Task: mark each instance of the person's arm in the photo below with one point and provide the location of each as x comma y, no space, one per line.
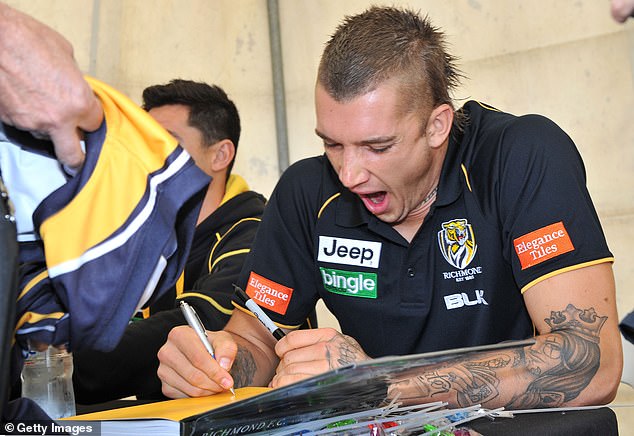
245,347
129,369
576,359
251,353
37,72
212,290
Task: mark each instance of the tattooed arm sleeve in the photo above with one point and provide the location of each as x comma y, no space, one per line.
576,359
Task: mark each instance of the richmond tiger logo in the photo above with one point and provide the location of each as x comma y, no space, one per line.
457,242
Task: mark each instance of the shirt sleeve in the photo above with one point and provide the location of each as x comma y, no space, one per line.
128,369
549,222
278,273
212,292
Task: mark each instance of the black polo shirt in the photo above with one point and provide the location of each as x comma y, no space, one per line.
512,209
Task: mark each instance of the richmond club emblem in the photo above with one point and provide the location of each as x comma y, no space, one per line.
457,242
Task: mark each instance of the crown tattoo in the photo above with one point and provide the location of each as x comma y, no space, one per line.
585,323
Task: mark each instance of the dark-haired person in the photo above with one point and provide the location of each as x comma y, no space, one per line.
206,123
422,228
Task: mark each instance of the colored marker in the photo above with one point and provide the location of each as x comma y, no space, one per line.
277,332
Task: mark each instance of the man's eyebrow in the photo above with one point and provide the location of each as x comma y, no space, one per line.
378,140
178,138
321,135
369,141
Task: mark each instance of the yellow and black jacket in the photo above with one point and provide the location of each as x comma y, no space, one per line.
114,237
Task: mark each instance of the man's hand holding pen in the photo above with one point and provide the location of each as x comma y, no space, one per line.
196,324
186,368
247,353
306,353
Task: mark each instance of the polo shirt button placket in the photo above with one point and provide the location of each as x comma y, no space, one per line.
411,272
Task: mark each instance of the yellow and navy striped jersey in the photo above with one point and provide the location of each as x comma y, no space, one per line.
114,237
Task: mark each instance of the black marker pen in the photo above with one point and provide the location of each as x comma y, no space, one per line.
277,332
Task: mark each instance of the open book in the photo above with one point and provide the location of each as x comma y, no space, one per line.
171,417
339,392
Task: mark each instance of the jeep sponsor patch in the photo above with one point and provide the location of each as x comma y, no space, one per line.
349,251
542,244
354,284
268,294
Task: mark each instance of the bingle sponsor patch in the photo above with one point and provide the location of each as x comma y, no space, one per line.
535,247
354,284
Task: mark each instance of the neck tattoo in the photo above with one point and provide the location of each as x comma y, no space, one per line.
430,196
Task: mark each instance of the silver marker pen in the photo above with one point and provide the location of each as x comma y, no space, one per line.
195,323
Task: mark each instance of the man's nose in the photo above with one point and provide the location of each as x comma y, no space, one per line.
352,172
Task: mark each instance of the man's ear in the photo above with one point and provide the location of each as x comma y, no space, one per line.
224,154
439,125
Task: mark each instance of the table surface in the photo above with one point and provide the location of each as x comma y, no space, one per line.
601,421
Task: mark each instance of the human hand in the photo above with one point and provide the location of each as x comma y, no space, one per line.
187,370
43,90
305,353
621,9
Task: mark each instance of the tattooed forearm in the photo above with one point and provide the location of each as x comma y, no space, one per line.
474,381
434,383
548,373
244,368
564,362
467,381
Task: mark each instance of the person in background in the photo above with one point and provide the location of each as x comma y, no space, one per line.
207,124
422,228
622,10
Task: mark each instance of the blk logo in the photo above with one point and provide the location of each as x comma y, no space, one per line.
455,301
